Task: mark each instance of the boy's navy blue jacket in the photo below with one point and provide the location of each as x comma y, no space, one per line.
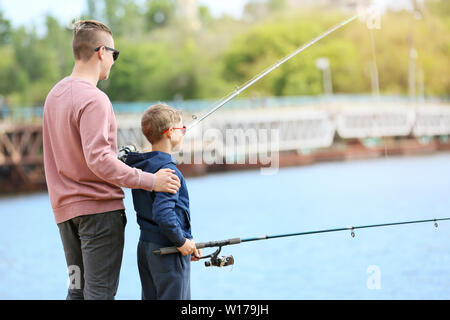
163,217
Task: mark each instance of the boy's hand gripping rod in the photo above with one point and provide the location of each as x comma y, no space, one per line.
229,260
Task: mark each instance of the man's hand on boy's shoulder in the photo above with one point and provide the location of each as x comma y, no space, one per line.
166,181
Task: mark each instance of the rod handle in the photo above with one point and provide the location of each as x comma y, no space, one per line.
200,245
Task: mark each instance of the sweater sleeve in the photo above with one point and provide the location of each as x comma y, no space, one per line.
94,126
164,214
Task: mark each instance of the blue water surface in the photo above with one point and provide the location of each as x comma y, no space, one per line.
411,261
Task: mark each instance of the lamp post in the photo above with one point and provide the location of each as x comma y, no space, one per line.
412,73
323,64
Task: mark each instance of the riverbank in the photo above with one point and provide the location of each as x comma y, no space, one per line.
349,150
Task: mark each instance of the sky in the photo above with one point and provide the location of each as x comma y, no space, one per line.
26,12
32,12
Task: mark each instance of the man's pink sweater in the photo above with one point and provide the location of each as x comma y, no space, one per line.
82,171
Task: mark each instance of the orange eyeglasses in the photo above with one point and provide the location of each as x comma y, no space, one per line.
183,130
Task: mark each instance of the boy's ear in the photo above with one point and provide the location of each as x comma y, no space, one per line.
169,132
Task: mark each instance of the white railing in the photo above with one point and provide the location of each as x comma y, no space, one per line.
303,128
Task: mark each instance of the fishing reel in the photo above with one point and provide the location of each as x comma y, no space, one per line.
125,150
216,261
222,261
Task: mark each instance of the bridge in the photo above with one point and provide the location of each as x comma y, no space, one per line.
304,128
240,131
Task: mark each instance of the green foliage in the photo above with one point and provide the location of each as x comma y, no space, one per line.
160,74
159,13
5,30
277,5
265,44
163,57
349,51
12,77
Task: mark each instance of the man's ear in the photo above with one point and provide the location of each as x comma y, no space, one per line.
100,53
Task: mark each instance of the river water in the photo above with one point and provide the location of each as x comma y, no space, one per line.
400,262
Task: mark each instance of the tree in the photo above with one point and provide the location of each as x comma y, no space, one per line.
12,77
143,73
277,5
169,60
113,12
5,30
37,59
133,21
159,13
152,71
205,15
265,44
92,7
349,51
59,40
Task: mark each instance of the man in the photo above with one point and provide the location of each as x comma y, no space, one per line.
84,176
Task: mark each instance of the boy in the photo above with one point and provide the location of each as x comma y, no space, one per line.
164,218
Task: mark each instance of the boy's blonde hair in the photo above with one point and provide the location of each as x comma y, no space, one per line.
158,118
87,36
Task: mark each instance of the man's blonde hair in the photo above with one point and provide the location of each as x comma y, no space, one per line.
87,36
158,118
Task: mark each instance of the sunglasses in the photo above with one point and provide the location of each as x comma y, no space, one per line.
183,130
115,51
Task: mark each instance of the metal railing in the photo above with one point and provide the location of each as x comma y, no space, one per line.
27,114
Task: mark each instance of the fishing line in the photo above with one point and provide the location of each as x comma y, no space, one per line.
249,83
218,261
229,260
376,84
375,79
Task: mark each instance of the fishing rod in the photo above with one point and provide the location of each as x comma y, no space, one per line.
224,261
269,70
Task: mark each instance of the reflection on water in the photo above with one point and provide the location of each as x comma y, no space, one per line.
404,262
